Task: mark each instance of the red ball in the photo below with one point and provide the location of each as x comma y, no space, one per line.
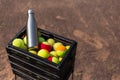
45,46
49,58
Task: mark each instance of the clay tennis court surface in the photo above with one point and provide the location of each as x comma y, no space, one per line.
94,24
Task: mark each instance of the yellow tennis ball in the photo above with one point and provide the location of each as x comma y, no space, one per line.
24,47
55,60
68,47
25,40
32,51
60,59
43,53
51,41
56,45
18,43
53,53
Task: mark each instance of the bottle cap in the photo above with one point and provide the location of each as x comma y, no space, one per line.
30,11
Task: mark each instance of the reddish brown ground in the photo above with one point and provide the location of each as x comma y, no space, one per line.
94,24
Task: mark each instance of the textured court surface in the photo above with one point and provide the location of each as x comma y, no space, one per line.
94,24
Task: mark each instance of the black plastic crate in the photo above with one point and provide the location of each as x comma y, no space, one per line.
30,66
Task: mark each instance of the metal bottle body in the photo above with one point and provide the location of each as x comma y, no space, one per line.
32,36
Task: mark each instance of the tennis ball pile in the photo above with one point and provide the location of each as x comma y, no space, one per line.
48,49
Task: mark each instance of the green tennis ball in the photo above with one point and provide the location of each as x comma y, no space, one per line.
41,39
55,60
24,47
39,34
43,53
60,53
56,45
51,41
53,53
32,51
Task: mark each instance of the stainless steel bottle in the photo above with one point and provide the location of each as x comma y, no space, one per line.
32,37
